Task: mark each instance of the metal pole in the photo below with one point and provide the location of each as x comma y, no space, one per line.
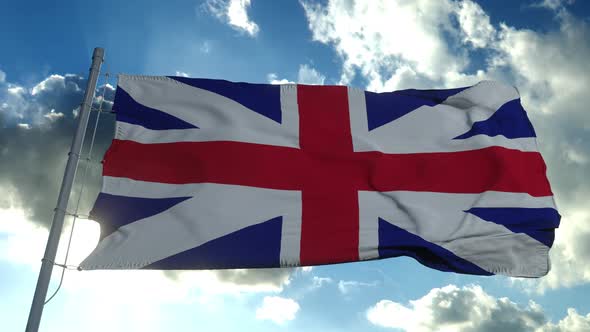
64,196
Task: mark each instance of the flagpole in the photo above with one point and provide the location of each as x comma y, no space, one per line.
64,196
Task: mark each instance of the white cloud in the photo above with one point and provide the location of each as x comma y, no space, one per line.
550,68
273,78
466,309
205,47
305,75
22,241
234,13
554,4
376,37
253,280
34,105
14,101
277,309
53,115
573,322
318,282
306,269
16,90
475,24
181,74
407,44
50,83
575,156
308,75
348,286
2,76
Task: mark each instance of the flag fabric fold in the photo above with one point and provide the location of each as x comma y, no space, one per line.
211,174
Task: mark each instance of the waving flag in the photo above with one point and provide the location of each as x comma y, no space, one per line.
210,174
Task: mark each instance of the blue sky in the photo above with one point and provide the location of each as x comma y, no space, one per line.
541,47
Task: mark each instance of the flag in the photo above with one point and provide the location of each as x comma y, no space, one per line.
211,174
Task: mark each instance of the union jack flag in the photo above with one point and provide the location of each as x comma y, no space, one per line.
211,174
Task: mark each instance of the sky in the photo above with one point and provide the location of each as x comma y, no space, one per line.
539,46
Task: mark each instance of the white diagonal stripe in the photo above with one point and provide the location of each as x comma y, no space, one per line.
432,129
440,218
214,211
217,117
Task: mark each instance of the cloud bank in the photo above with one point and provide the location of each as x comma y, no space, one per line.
469,309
